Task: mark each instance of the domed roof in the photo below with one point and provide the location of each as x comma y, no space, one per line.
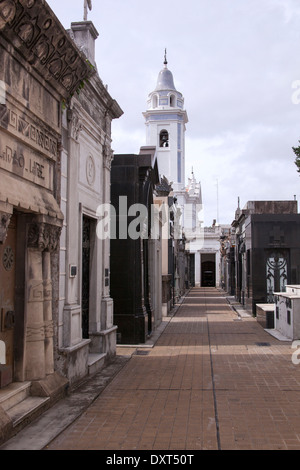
165,80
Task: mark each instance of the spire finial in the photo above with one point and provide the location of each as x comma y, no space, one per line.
87,5
165,62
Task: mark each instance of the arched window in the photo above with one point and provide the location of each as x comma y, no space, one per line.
164,138
154,101
172,101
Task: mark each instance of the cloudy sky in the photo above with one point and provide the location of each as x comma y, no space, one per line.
237,63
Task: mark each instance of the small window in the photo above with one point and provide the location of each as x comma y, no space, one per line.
164,139
154,101
288,317
172,101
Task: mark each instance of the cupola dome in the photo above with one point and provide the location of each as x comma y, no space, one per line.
165,78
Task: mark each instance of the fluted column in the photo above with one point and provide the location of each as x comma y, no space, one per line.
35,333
47,309
42,240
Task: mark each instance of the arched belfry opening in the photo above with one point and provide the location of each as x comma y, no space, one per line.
154,101
164,138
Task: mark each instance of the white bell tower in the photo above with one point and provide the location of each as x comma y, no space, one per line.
165,123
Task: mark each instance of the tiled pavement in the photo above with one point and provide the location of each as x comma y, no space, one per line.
211,381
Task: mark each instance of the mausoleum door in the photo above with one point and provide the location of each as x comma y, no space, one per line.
86,240
7,298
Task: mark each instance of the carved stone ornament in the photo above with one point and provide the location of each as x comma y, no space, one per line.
4,223
35,332
34,30
90,170
44,237
108,156
76,126
8,258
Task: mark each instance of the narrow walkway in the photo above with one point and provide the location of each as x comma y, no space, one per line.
212,381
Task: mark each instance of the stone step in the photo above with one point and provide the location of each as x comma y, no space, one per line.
13,394
26,408
96,362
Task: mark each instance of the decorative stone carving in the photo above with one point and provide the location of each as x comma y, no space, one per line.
35,332
164,187
44,237
75,123
35,291
47,290
8,258
90,170
4,223
108,156
35,31
48,327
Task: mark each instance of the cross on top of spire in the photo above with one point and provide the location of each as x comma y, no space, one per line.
87,5
165,62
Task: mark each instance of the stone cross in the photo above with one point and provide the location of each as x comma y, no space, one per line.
87,4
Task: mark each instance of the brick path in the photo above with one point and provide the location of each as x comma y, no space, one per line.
208,383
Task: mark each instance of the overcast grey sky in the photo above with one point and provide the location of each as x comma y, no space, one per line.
235,61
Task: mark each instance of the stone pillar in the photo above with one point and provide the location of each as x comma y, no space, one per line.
42,240
4,223
198,269
48,322
35,334
108,333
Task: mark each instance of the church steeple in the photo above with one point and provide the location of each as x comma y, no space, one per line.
165,79
165,122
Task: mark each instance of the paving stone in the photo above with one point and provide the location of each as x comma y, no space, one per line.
208,383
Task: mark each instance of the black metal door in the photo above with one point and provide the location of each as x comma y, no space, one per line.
85,295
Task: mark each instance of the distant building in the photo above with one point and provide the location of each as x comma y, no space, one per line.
165,120
267,250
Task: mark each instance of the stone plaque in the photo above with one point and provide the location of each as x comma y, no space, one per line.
24,128
25,162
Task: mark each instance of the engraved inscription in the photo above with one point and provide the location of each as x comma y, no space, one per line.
23,128
25,163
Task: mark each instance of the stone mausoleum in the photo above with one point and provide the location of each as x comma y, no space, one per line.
267,250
